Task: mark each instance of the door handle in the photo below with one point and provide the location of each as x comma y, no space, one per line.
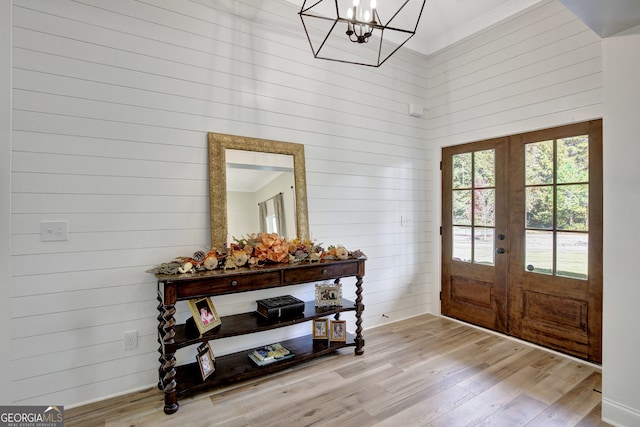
500,250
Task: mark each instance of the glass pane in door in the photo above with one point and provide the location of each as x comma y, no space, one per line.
484,169
483,241
539,207
462,170
462,238
573,207
462,207
539,251
539,163
484,203
573,159
572,258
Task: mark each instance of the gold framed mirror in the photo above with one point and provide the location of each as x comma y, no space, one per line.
222,145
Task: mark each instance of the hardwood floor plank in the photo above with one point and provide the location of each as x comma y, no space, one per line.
424,411
422,371
573,406
401,401
489,400
593,418
563,376
518,412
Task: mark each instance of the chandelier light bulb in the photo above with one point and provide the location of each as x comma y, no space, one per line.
350,13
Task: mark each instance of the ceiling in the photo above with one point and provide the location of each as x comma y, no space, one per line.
445,22
608,17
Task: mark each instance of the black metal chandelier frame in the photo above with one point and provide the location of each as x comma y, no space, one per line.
362,30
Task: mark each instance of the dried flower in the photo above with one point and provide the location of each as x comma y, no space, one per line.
229,264
211,262
239,258
186,268
342,253
256,250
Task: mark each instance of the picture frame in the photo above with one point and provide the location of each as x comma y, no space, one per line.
328,295
338,331
204,314
320,329
206,360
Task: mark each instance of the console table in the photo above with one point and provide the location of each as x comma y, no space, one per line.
177,381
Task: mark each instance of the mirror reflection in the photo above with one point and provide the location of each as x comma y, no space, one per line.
260,194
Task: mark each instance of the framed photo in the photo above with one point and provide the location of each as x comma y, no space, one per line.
204,314
328,295
320,329
338,330
206,360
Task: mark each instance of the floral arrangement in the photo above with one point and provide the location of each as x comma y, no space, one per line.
256,250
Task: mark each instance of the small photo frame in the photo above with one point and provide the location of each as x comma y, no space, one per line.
338,331
328,295
204,314
320,329
206,361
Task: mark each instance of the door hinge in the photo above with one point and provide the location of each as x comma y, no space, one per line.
440,295
441,230
440,165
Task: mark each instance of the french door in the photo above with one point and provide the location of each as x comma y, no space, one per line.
522,236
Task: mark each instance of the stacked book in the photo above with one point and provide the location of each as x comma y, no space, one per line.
270,354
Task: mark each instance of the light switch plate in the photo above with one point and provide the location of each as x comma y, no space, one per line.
51,231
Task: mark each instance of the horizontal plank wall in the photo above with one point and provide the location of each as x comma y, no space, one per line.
111,105
540,69
5,193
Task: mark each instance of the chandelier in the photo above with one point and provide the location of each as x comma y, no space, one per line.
352,32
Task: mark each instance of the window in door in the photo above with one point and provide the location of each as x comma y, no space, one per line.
557,207
473,200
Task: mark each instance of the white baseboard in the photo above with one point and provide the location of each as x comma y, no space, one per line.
619,415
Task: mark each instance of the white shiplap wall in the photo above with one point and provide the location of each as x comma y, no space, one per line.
111,104
5,192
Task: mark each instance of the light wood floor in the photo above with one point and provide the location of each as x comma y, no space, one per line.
419,372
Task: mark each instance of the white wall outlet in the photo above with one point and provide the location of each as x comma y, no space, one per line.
131,340
51,231
405,221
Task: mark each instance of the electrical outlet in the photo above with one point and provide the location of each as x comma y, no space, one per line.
131,340
53,230
405,221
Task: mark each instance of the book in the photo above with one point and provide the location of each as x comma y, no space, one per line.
282,306
270,354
